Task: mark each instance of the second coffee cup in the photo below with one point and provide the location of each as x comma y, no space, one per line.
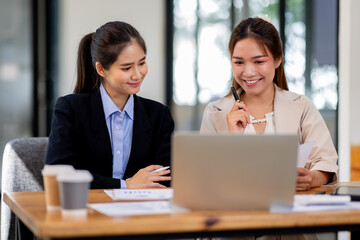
74,189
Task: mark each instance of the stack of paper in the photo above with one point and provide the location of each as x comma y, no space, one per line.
311,199
309,203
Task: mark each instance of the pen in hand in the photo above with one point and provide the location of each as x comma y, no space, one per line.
237,99
235,94
161,169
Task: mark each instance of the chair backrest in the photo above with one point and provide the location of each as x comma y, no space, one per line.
23,161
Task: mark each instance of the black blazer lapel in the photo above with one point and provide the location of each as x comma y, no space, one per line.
101,142
141,140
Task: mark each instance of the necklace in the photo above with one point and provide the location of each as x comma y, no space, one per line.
258,121
268,117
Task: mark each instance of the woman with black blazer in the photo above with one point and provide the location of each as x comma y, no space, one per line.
104,126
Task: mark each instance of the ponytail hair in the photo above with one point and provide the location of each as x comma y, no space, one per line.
103,46
87,77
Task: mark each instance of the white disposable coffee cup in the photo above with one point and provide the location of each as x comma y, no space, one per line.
74,188
51,186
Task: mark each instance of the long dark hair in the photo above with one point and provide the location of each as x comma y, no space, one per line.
103,46
268,37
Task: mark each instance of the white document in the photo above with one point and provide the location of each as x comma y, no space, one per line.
140,194
319,199
316,208
312,203
136,208
304,151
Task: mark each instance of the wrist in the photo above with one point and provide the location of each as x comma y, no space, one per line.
313,179
128,182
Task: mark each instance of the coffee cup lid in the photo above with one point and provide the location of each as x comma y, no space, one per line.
53,170
75,176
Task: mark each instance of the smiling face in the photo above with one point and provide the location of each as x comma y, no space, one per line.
125,75
253,67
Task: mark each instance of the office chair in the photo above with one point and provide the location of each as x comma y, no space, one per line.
23,161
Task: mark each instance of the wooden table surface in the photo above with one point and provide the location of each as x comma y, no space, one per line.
30,208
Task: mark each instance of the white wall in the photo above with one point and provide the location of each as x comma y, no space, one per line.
349,84
354,63
79,17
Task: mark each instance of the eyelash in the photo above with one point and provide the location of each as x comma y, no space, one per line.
128,68
257,62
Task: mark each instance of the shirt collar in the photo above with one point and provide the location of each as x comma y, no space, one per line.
110,107
129,107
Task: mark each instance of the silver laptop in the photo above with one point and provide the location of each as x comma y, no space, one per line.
234,172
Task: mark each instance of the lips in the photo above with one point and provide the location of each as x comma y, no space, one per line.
135,84
252,82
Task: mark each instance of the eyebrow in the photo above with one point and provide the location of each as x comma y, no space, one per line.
256,57
127,64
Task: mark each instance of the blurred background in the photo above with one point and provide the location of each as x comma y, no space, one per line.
189,64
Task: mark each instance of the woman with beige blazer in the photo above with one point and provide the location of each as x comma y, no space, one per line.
266,106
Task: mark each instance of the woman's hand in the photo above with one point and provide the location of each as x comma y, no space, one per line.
304,179
307,179
146,178
238,117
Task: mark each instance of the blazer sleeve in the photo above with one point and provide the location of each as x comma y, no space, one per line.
163,151
62,139
207,125
313,128
64,144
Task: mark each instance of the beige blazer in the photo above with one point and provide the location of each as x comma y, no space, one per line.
293,113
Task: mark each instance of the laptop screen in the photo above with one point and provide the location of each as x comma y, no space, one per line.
233,171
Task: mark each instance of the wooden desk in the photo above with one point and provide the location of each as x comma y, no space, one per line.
30,208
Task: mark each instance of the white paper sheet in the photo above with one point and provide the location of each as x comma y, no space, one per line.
140,194
304,151
314,199
316,208
313,203
136,208
302,203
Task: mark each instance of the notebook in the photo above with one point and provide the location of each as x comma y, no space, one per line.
233,171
